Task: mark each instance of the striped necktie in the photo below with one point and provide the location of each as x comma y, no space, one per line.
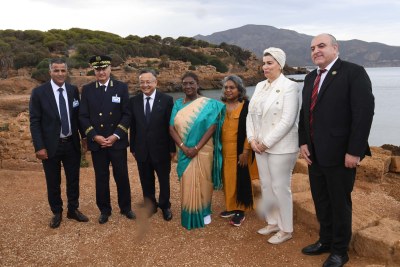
314,97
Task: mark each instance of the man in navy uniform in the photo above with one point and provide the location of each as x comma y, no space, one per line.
104,116
54,110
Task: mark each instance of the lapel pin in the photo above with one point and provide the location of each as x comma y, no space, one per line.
334,72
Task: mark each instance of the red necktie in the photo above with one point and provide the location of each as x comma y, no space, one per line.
314,97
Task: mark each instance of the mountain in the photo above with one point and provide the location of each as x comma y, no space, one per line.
297,46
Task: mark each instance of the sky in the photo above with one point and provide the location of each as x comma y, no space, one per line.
367,20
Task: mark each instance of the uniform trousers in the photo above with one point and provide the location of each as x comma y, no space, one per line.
101,163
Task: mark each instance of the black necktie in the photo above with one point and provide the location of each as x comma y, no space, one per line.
148,110
63,113
103,88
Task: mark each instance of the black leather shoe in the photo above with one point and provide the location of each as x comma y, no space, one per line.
336,260
77,215
130,215
167,214
103,218
316,249
56,220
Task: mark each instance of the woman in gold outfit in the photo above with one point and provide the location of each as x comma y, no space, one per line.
236,152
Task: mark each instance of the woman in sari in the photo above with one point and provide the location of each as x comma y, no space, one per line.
238,165
195,126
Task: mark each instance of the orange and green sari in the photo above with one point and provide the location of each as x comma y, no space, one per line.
201,174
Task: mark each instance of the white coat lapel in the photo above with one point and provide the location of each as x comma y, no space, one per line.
277,90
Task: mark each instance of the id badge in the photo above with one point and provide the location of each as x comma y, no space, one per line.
75,103
116,99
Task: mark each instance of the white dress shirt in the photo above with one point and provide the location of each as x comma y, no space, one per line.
151,100
56,96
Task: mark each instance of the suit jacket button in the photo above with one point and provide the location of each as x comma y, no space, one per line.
112,124
110,113
101,125
100,114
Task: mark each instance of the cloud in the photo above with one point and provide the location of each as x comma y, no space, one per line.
368,20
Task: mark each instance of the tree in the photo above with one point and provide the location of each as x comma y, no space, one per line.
164,61
6,59
219,65
25,59
56,46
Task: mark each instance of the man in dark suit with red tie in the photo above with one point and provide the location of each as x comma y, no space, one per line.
54,110
335,122
104,116
150,142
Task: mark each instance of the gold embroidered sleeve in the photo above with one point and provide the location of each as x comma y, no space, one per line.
88,130
123,128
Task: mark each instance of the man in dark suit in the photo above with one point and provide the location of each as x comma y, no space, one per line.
150,142
104,115
335,121
53,110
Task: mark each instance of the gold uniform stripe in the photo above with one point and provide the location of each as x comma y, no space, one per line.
123,128
88,130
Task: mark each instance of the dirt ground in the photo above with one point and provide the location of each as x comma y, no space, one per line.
27,240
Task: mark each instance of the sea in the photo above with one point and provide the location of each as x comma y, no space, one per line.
386,89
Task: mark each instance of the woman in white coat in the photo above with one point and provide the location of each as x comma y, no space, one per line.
272,134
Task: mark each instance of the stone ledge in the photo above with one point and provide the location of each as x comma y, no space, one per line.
381,241
304,211
395,164
372,169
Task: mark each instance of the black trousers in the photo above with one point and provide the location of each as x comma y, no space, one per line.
331,189
147,180
101,163
70,159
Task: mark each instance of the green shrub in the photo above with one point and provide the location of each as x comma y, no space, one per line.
41,75
4,127
219,65
90,73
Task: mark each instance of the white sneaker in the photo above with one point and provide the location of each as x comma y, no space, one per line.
269,229
279,237
207,219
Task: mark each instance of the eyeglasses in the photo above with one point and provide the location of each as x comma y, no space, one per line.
146,82
230,88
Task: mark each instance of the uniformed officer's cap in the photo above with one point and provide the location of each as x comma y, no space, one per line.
100,61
